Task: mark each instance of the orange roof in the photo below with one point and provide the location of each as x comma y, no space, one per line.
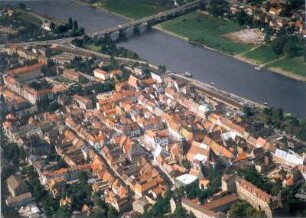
145,185
175,150
220,202
260,141
149,81
24,69
7,124
122,192
133,81
197,148
160,159
218,149
289,181
39,92
207,124
241,156
213,117
100,72
230,124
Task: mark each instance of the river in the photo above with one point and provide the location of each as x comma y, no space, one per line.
178,55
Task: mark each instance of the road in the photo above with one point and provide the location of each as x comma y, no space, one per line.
229,97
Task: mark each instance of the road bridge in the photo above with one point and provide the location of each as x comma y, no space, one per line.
150,20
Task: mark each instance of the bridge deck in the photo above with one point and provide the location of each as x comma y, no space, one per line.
159,16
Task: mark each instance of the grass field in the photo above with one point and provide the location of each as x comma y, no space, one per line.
265,54
27,18
261,54
207,30
93,47
295,65
63,80
134,8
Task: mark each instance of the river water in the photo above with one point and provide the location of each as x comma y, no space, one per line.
178,55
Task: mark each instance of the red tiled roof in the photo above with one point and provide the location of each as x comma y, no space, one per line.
24,69
229,199
101,72
133,81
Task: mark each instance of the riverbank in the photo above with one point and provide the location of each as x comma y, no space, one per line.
209,33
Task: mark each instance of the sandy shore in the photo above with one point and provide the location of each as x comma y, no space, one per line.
288,74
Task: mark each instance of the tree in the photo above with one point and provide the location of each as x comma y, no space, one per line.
82,177
218,7
9,211
81,31
243,209
22,6
291,47
255,178
278,45
112,213
75,26
243,18
297,4
114,63
277,114
50,205
70,23
267,39
247,111
162,68
44,69
60,29
180,212
277,187
52,26
186,164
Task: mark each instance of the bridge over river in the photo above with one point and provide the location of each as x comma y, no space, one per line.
150,20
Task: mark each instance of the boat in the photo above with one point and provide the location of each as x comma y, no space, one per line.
212,83
265,103
258,68
187,74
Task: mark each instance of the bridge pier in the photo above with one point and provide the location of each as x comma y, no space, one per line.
136,29
149,26
122,34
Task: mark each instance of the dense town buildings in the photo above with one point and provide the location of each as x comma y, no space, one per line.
145,136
